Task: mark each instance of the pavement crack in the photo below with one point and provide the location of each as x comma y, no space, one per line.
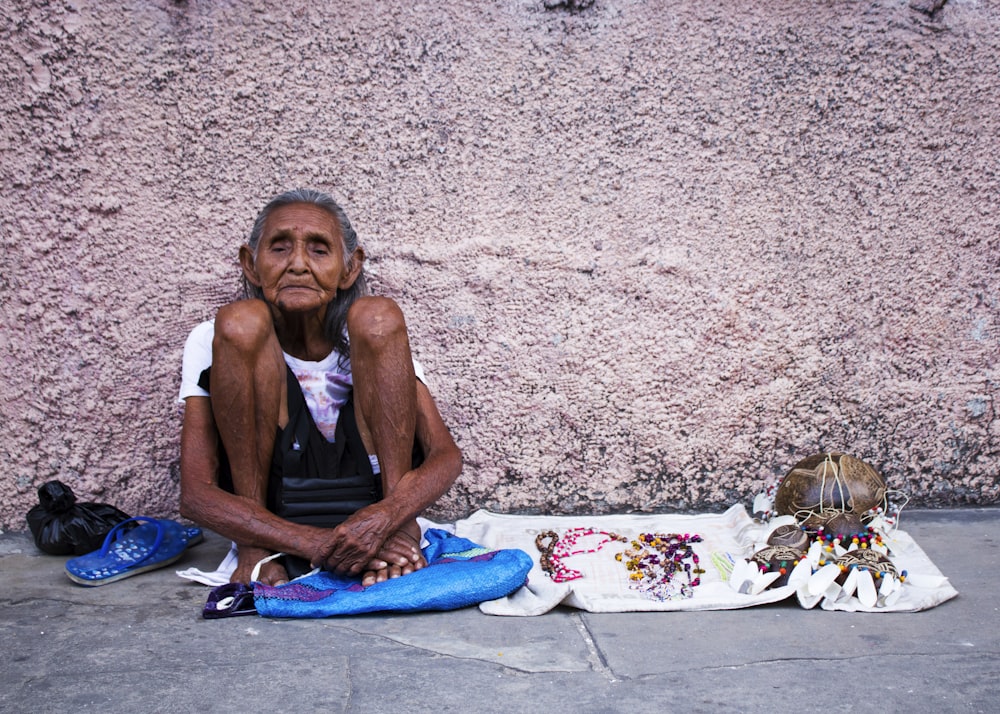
440,653
39,601
350,686
881,656
595,657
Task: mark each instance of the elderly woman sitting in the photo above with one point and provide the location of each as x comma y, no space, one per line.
306,428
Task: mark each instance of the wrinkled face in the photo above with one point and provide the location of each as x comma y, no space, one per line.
299,262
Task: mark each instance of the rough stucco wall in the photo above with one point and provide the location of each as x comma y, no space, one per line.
650,256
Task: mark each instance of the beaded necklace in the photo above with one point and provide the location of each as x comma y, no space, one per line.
830,543
863,539
654,559
554,548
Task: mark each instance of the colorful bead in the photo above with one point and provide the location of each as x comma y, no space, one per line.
554,548
657,561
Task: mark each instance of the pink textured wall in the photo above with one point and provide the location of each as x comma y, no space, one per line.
650,253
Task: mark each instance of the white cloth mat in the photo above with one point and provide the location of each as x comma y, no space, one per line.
604,586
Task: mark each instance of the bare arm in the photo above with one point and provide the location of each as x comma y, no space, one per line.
250,525
414,492
235,517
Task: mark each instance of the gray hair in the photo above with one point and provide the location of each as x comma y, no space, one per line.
336,314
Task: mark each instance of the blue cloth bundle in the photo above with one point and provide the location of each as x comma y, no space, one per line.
459,573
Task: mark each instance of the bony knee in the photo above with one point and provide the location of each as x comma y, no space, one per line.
375,318
245,323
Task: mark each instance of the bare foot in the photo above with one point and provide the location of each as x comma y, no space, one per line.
271,572
400,555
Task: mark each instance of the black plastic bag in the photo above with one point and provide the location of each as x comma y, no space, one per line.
61,526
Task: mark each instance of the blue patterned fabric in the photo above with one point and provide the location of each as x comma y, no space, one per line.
459,573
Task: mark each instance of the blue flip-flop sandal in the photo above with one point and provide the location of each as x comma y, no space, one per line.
131,549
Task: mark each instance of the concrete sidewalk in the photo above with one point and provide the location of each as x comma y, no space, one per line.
141,645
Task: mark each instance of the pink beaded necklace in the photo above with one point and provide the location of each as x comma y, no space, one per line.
554,548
